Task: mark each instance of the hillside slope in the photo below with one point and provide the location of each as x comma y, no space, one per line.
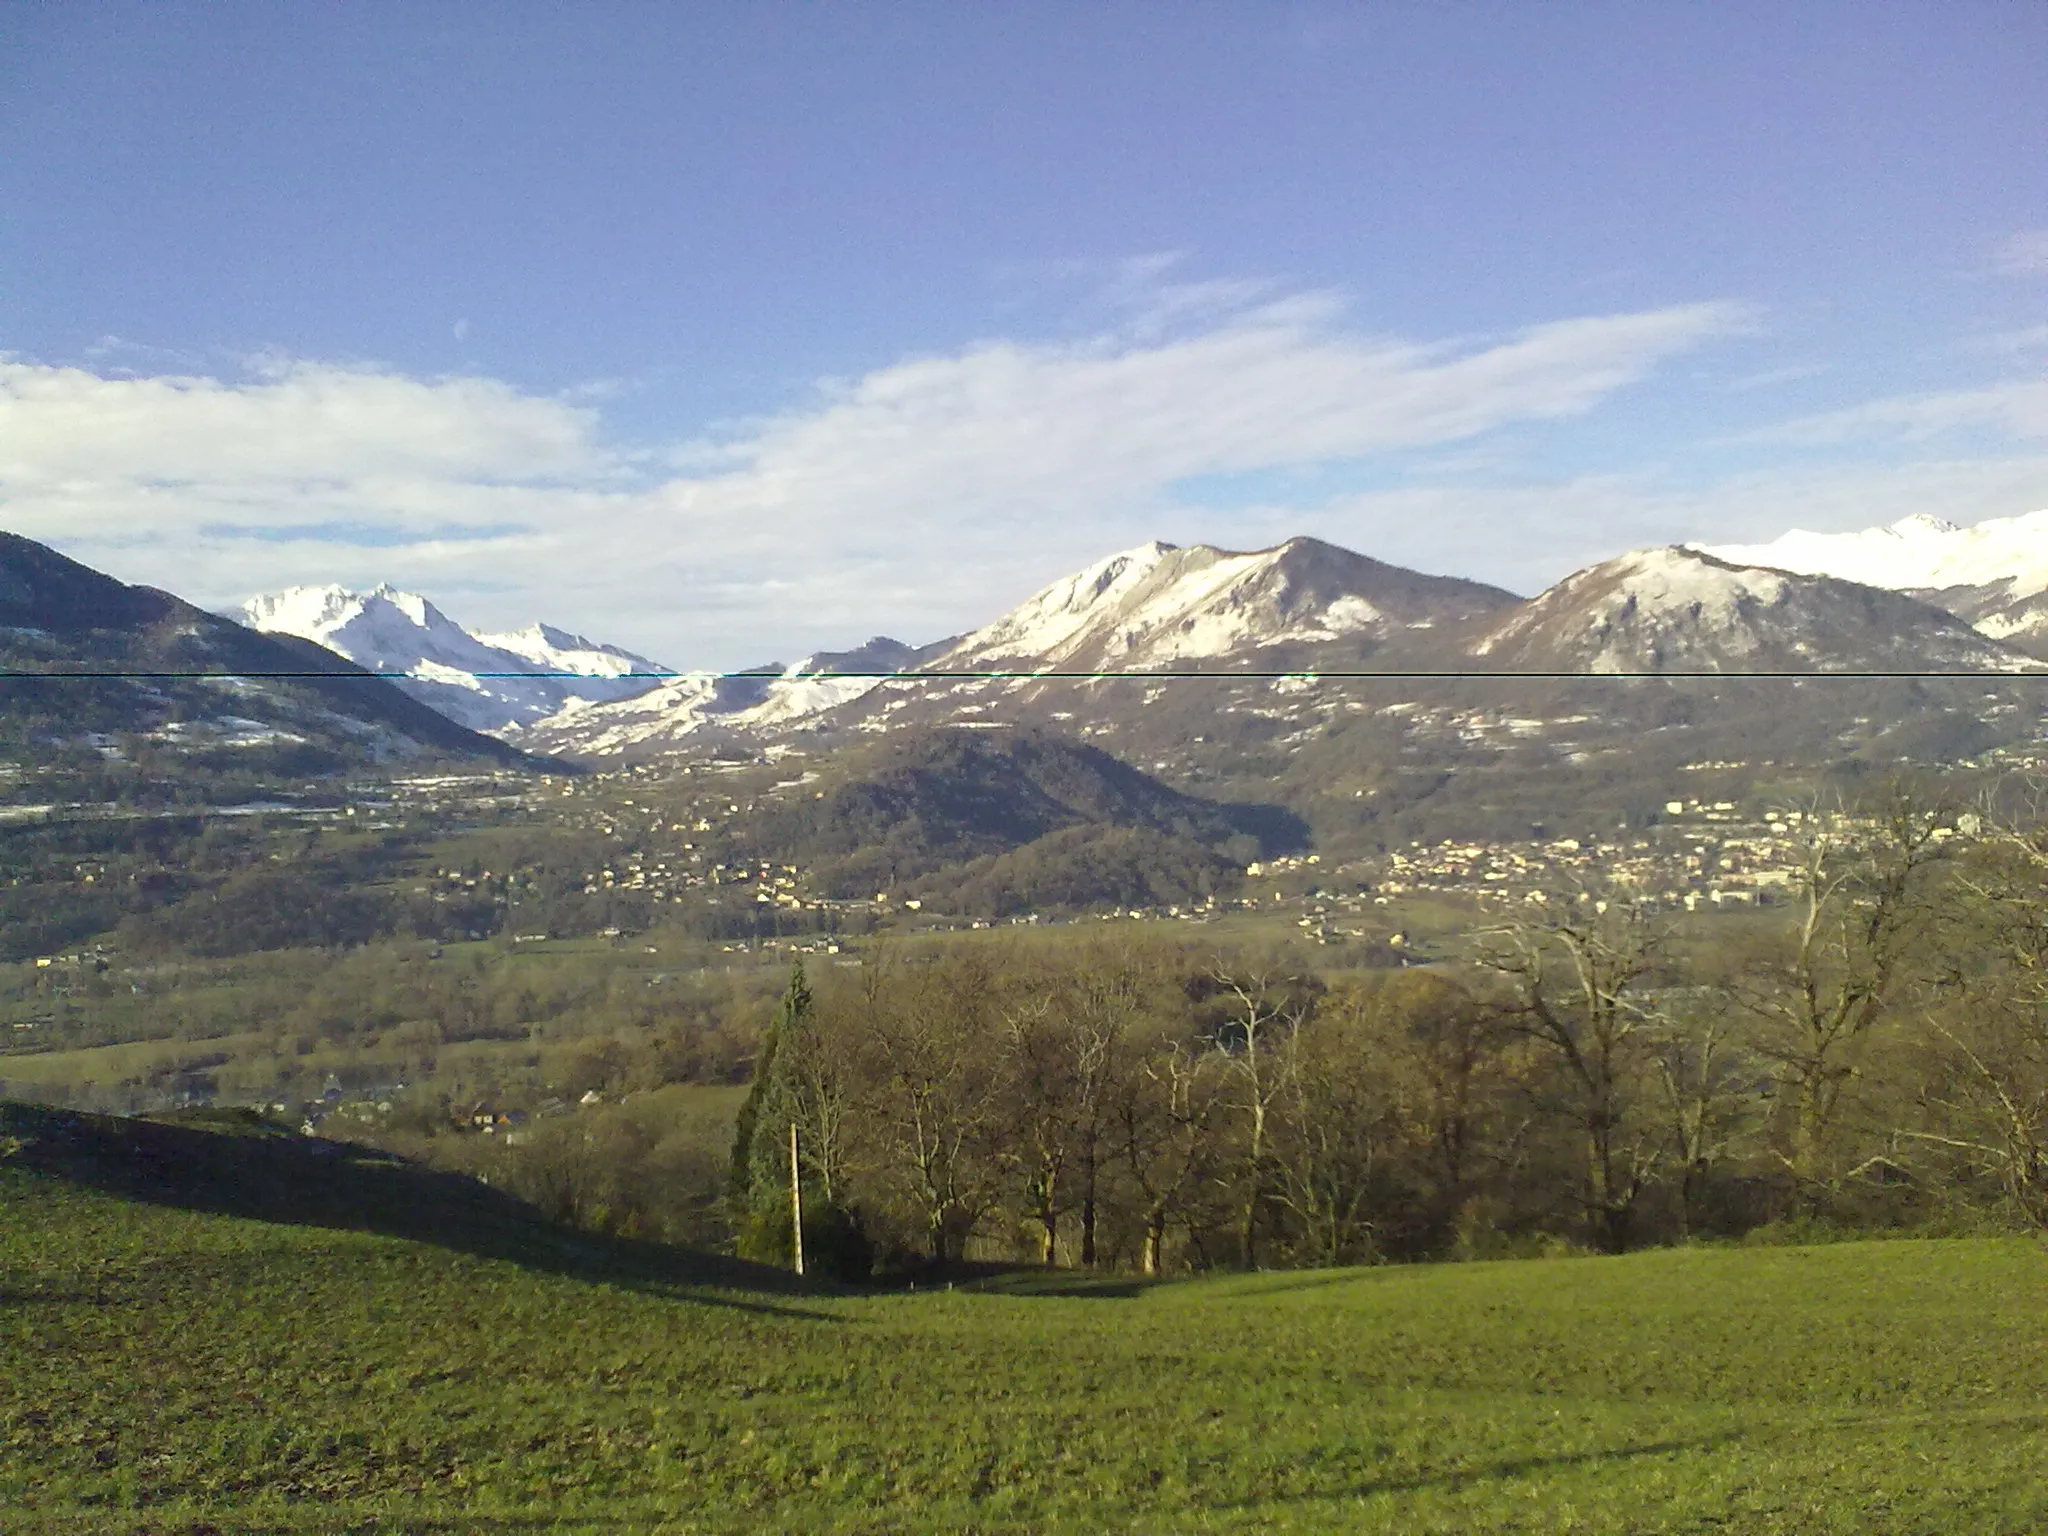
89,657
1677,609
170,1369
910,805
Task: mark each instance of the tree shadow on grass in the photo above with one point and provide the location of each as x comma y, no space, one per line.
1505,1470
248,1167
1034,1282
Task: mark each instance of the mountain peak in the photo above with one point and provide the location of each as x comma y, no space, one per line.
487,682
1683,609
1922,523
1162,603
1994,573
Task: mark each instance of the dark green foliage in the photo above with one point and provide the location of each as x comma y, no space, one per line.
760,1175
836,1247
38,919
740,1180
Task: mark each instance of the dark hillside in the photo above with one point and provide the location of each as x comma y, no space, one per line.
237,1163
914,803
60,619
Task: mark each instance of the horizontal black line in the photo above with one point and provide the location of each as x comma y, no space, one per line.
1170,675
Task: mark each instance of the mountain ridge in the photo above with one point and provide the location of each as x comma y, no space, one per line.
1682,609
484,680
1993,573
1155,606
144,661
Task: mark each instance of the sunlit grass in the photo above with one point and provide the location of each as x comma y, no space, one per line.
167,1370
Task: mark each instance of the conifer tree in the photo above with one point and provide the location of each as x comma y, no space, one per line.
752,1125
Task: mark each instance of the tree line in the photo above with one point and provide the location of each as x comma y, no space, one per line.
1594,1073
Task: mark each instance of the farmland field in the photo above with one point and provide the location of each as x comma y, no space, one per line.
170,1368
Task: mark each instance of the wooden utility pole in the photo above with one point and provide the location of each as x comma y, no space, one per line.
796,1200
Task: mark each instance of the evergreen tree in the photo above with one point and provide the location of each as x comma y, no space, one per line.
740,1187
791,1087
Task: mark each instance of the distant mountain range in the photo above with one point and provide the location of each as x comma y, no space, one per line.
1311,608
488,682
1682,610
92,665
1993,574
1310,645
1160,605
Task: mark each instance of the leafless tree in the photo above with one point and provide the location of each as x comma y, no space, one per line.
1164,1117
1333,1122
1704,1086
1576,979
1986,1086
1264,1006
930,1040
1863,906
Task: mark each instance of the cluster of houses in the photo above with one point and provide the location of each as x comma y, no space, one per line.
1700,855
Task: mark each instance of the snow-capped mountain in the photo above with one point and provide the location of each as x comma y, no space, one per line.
190,681
1159,604
1680,609
489,682
1993,574
766,700
1151,607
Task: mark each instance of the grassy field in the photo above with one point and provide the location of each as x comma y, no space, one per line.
415,1354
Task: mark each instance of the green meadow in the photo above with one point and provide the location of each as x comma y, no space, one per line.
228,1330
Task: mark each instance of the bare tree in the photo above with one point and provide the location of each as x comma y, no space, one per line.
1703,1088
1107,998
1264,1008
1442,1048
1164,1119
1986,1087
1041,1093
1333,1121
1577,983
1864,886
930,1037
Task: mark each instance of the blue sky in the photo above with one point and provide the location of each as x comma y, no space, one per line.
731,331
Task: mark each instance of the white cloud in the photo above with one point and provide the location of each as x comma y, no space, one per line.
2022,255
2026,339
908,499
2016,407
1006,425
294,425
1565,524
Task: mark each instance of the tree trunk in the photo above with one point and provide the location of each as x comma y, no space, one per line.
1155,1240
1088,1214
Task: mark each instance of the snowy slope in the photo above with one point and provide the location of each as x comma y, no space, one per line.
1682,610
1159,604
1994,573
767,700
488,682
1145,608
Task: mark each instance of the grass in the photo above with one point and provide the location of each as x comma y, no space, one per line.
166,1366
